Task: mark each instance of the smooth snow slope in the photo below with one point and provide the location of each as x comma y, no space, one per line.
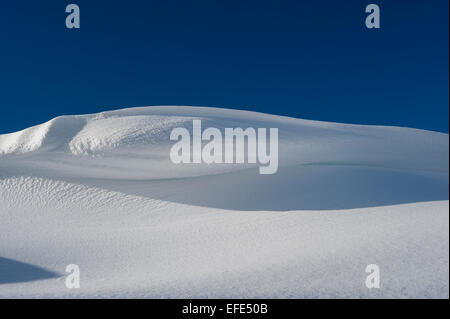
100,191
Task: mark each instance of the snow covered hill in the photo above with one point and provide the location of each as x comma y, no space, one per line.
101,192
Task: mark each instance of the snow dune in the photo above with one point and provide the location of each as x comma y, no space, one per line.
100,191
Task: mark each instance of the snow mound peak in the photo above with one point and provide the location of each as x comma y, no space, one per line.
135,142
90,134
51,135
107,134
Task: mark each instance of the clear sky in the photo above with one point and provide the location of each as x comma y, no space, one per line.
307,59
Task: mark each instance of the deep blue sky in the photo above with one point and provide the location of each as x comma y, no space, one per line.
308,59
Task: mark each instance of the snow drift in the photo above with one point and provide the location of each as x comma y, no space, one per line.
100,191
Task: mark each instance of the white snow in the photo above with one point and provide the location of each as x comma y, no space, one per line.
100,191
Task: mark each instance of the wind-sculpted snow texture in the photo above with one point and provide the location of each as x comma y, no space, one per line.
101,192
